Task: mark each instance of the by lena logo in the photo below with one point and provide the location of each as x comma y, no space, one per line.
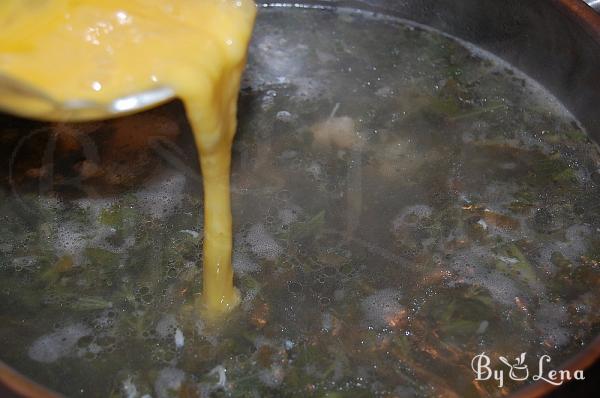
519,371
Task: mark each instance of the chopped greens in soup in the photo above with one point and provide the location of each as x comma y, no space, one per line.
401,203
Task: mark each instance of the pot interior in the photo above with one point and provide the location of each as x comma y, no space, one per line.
402,201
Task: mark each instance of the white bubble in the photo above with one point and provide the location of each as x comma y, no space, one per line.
242,264
162,196
326,321
203,332
72,239
248,300
93,348
61,343
385,92
179,339
288,154
307,88
315,170
262,243
382,308
285,116
193,234
24,262
339,132
6,247
551,319
222,373
289,215
288,344
272,376
169,380
419,212
576,236
129,389
482,327
469,266
166,326
95,205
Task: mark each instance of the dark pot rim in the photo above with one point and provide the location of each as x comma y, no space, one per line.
588,20
21,385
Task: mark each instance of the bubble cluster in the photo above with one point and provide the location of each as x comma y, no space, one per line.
289,215
574,245
382,308
262,243
273,376
412,215
285,116
166,326
61,343
242,263
551,319
167,381
25,262
161,197
470,268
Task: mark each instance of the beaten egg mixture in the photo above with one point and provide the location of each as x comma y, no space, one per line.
101,50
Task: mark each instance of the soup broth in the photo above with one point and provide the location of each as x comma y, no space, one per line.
401,203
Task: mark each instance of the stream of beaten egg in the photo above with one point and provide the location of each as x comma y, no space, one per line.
99,50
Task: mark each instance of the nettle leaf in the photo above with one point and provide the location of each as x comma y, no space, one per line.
312,227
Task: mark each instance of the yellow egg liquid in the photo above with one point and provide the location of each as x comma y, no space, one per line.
100,50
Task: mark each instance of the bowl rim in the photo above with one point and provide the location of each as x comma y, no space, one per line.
21,385
589,21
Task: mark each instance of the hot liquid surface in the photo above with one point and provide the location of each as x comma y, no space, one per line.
400,204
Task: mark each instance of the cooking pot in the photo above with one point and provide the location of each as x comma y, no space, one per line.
556,42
